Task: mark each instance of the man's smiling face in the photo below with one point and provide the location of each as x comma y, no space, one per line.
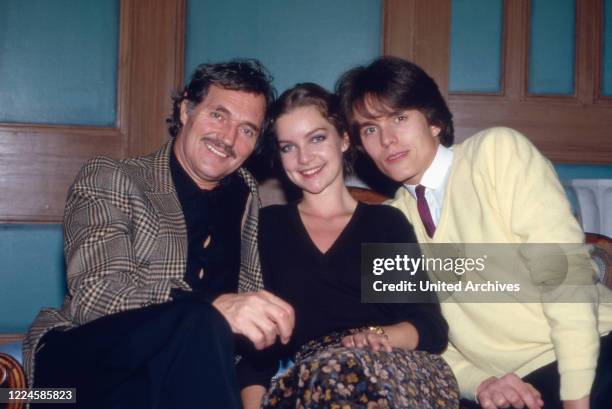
218,134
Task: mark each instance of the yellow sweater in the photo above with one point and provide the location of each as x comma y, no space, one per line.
502,190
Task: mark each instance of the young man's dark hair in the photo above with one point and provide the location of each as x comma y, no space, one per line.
394,84
247,75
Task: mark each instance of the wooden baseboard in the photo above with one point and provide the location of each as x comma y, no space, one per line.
9,338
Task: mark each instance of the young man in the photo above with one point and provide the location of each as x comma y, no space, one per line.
162,262
495,187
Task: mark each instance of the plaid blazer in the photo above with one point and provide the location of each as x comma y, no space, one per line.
125,243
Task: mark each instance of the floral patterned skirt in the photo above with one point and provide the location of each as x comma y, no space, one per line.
328,375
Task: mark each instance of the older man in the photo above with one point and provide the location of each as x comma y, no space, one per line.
162,263
495,187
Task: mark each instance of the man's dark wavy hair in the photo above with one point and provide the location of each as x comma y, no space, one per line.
395,84
247,75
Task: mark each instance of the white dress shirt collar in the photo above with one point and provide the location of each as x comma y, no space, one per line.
435,180
435,175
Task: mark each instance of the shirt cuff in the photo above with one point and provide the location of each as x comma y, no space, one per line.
576,384
469,379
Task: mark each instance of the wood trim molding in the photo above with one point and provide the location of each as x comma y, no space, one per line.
419,30
126,13
39,162
587,51
515,49
598,45
398,34
155,70
10,338
570,133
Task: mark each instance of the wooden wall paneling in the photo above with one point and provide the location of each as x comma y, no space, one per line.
515,48
39,162
563,132
155,69
398,26
419,30
569,129
588,50
126,17
432,39
598,45
514,53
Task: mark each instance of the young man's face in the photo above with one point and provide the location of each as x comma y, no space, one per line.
401,143
218,134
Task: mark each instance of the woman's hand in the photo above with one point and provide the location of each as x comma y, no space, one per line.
367,339
402,335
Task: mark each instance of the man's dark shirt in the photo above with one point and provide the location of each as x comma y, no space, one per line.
213,220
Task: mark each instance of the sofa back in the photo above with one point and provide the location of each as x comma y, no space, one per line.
32,268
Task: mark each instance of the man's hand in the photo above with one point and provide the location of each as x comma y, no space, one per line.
367,339
509,391
261,316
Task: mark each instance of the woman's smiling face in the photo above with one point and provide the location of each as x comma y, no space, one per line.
310,149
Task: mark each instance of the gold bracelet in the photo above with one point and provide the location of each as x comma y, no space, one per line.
377,330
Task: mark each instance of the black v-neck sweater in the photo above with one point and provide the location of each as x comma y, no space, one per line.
325,288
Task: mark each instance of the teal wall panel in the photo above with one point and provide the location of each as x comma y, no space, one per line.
568,171
476,46
58,61
31,273
606,86
297,40
552,47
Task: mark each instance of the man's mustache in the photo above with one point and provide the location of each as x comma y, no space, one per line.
228,150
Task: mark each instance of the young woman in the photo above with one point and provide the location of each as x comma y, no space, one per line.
345,352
